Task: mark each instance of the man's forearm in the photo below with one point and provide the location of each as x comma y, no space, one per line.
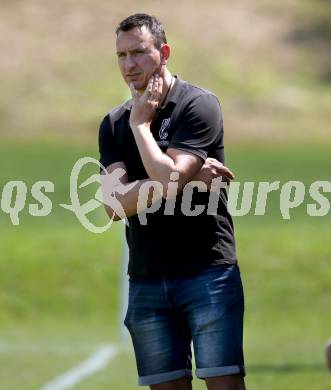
157,164
132,199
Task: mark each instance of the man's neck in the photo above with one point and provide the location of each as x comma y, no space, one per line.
167,80
167,85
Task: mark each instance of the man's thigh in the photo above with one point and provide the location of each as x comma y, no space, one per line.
160,335
214,305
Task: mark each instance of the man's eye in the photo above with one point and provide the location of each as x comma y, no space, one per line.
120,55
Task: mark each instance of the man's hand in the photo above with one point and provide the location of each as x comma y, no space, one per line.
144,106
212,169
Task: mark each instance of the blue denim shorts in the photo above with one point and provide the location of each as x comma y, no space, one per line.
166,314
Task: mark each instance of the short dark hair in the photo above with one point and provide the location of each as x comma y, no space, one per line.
154,26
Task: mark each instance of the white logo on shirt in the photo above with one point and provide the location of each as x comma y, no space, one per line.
163,134
164,125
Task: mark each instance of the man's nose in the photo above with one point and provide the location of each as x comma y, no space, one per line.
130,63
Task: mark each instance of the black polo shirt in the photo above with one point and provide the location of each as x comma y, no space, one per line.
174,245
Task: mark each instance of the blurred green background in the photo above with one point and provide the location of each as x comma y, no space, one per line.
270,65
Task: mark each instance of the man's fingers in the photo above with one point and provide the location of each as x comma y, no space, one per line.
157,88
229,174
154,90
213,160
224,171
149,89
155,84
134,92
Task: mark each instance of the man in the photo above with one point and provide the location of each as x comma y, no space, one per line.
184,280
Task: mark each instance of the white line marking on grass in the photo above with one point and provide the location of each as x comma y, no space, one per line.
96,362
11,348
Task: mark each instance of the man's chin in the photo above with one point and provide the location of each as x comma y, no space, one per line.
138,85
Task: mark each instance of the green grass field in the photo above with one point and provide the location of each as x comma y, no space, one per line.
59,296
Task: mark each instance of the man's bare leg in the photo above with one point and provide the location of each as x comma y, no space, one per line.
178,384
228,382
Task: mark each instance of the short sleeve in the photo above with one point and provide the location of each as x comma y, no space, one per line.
109,153
200,127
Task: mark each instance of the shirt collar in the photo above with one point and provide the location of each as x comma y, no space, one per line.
175,90
128,104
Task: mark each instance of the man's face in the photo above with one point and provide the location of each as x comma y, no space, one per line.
138,58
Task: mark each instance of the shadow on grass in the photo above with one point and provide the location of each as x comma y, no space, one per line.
284,368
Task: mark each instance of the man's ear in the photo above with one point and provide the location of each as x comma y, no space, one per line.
165,54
